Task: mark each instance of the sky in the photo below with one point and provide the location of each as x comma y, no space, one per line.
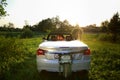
82,12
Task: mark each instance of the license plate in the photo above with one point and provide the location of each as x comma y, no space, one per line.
65,59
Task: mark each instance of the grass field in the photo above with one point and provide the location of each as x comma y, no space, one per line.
105,61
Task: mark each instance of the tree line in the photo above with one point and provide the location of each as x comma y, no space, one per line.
111,27
50,24
45,26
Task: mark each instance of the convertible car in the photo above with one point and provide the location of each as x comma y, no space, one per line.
61,52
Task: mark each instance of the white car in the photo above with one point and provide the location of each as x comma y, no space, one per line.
60,52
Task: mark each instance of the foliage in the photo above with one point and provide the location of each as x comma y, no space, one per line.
105,37
114,26
108,37
2,10
51,24
9,28
12,52
104,26
105,60
17,59
91,29
46,25
27,33
10,34
105,64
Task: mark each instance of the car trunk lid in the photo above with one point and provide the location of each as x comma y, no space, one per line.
53,49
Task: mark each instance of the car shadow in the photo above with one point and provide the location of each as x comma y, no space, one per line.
45,75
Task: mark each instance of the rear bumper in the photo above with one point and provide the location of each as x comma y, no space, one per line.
53,65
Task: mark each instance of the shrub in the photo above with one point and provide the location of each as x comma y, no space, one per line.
12,52
105,37
108,37
105,64
27,33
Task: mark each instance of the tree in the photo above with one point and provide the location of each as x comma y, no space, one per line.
64,25
56,22
114,26
2,6
45,25
27,33
104,26
52,24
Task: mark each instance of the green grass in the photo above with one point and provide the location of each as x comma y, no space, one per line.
25,69
105,61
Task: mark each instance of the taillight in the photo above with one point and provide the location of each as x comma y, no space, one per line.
87,52
40,52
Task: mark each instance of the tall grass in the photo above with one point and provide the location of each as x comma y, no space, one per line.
18,58
12,53
105,59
